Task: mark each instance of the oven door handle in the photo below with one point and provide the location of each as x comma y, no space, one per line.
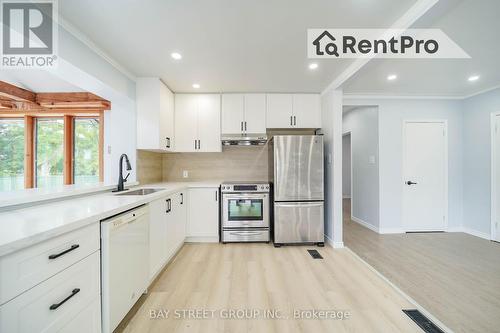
244,196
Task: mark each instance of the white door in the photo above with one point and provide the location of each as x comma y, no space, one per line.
209,123
496,178
203,213
186,122
279,111
157,235
425,176
306,111
255,113
232,113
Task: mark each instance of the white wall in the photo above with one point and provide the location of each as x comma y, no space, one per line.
331,115
362,123
346,166
477,160
391,113
83,67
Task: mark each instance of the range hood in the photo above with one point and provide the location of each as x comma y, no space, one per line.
244,139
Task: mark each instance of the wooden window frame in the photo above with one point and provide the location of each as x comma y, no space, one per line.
30,119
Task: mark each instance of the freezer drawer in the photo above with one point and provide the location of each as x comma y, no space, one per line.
299,222
247,235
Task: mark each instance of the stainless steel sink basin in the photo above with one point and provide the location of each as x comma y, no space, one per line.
142,191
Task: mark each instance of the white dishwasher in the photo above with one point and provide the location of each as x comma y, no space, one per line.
124,263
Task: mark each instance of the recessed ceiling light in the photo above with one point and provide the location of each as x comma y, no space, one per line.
473,78
196,86
176,56
313,65
392,77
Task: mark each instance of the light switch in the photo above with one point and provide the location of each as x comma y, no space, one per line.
371,159
185,174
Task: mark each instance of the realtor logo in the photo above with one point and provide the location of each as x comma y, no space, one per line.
29,34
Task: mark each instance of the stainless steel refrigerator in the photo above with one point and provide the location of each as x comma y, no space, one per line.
297,173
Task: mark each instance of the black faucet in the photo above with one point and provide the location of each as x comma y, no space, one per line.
122,180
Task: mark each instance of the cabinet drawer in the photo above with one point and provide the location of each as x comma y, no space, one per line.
26,268
56,303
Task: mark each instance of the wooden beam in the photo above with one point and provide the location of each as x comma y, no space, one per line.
12,92
101,146
6,113
74,100
29,152
68,150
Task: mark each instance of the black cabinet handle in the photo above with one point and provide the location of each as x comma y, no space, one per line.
73,293
291,121
242,126
216,195
199,144
73,247
168,142
169,205
294,121
182,198
245,126
410,183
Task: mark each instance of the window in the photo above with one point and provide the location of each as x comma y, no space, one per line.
86,150
49,152
11,154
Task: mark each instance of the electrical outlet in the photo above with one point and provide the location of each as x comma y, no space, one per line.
109,149
185,174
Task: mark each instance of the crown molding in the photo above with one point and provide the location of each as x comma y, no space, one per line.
78,34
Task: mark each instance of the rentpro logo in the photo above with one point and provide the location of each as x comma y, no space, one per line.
392,43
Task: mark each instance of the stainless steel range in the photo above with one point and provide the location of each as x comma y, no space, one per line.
245,212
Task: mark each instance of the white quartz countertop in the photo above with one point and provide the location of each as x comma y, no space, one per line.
24,227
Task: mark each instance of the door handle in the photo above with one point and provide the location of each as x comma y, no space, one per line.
73,247
410,183
73,293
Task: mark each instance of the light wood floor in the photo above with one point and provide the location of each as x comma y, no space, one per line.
258,276
454,276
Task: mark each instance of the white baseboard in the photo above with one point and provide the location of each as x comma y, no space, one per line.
202,239
470,232
391,231
331,243
364,223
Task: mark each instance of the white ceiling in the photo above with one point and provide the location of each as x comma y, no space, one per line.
472,24
227,45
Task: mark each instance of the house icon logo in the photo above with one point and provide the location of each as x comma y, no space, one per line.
325,43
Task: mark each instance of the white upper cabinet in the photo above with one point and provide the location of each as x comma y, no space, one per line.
233,114
155,115
255,113
293,111
243,113
197,123
279,111
306,111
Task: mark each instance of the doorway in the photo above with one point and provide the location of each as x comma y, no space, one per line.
425,176
495,176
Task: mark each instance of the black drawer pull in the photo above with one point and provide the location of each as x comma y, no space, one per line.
73,293
73,247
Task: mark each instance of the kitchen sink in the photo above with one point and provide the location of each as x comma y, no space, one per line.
142,191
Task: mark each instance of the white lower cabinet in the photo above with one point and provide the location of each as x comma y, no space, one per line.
167,227
203,215
66,302
157,235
